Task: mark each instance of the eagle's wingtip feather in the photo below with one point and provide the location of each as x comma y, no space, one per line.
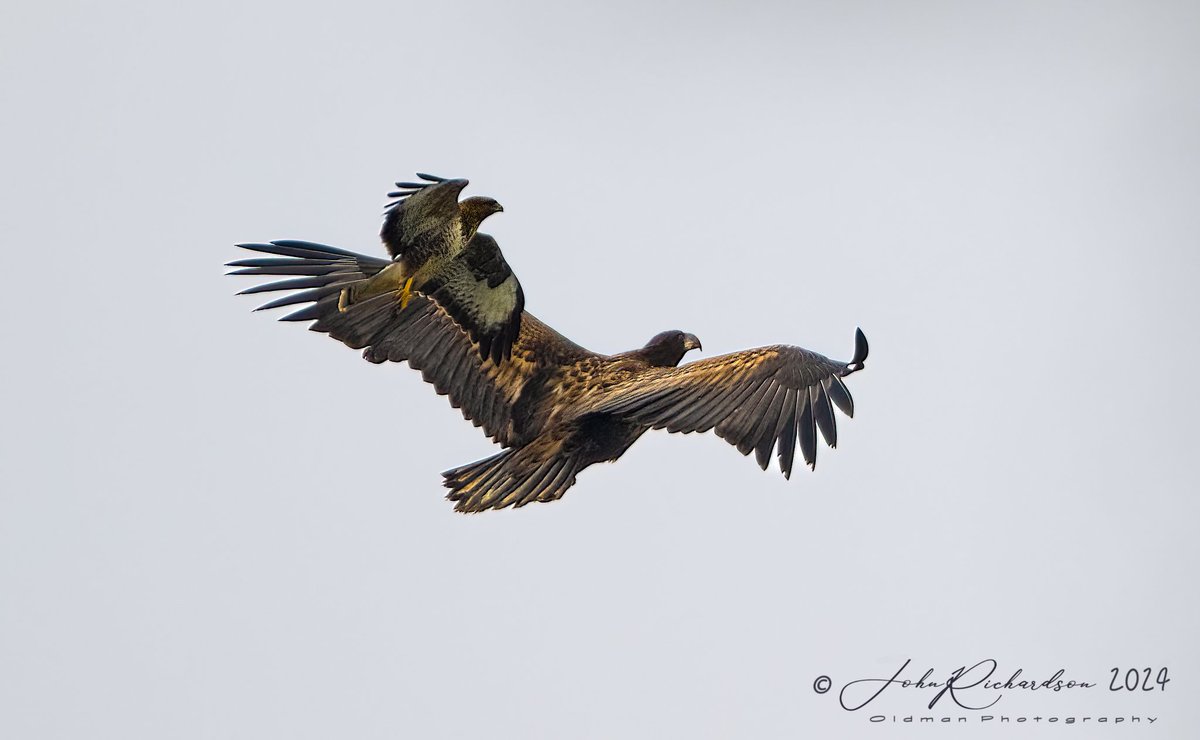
860,350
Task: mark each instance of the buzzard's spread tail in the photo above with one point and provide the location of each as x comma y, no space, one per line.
539,471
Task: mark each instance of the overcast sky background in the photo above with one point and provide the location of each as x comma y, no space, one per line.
216,526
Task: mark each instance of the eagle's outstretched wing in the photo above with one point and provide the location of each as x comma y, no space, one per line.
421,333
757,399
322,272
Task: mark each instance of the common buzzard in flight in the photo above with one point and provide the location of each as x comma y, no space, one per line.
437,250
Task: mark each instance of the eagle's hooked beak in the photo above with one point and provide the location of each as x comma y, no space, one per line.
690,342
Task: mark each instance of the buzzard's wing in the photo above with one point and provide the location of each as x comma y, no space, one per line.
428,184
416,205
422,333
480,292
757,399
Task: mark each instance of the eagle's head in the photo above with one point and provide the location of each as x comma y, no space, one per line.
474,210
669,347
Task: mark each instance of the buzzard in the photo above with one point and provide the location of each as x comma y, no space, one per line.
555,407
437,250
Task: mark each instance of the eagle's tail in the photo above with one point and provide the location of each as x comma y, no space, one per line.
540,471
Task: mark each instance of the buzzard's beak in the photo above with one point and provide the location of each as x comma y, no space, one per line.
499,208
690,342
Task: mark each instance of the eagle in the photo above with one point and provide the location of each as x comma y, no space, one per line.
437,250
555,407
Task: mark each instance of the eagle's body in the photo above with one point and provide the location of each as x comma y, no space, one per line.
556,432
554,406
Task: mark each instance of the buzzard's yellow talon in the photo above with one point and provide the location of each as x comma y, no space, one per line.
406,293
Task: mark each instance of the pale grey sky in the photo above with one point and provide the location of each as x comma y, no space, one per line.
216,526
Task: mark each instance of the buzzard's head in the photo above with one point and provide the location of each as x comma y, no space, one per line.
668,348
474,210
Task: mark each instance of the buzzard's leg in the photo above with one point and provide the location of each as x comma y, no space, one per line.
406,293
391,278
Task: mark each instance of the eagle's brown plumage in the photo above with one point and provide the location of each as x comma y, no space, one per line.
558,407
